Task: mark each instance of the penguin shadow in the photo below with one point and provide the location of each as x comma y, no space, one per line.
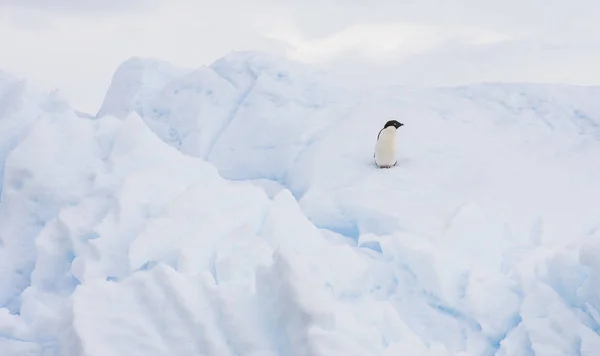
401,162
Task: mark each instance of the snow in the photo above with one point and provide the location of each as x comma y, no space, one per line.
235,209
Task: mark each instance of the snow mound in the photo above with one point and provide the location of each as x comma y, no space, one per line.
234,210
228,103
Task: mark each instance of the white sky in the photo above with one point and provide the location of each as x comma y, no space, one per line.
76,45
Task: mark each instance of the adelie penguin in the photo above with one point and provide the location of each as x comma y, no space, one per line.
385,147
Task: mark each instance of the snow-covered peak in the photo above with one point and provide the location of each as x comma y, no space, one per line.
134,81
191,109
137,79
21,106
243,66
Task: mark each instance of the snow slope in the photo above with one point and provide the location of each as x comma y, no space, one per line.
234,210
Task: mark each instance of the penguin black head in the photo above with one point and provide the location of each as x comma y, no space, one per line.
394,123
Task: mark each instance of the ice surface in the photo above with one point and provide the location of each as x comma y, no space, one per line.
235,209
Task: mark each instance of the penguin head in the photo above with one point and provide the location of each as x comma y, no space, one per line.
394,123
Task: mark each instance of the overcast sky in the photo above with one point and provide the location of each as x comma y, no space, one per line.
76,45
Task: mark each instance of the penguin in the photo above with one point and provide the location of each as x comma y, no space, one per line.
385,147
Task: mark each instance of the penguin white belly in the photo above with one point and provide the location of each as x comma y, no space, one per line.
385,148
